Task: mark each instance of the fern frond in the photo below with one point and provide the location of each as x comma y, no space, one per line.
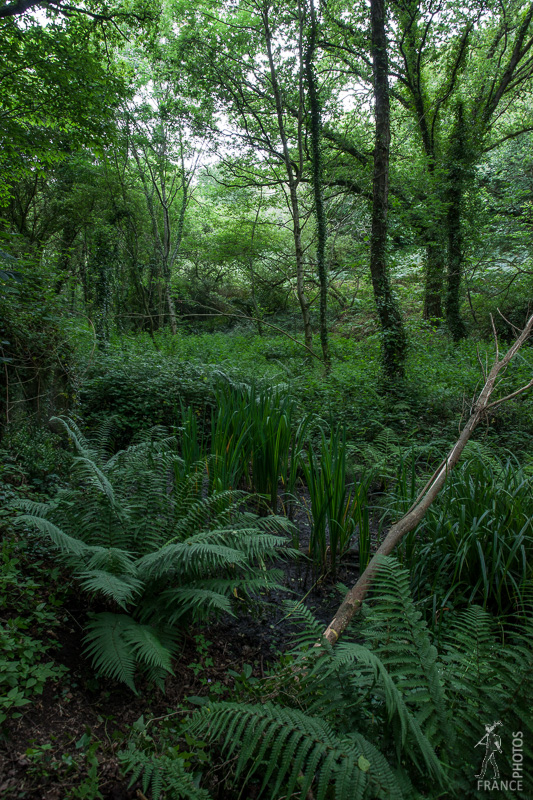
121,589
75,435
148,647
161,773
293,743
67,544
199,601
95,477
351,659
108,645
311,629
112,559
116,643
396,633
195,554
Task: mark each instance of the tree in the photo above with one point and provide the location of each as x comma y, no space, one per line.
158,141
43,121
315,128
457,82
394,341
252,64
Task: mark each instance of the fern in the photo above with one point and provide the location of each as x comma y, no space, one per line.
397,634
295,744
161,772
394,715
138,531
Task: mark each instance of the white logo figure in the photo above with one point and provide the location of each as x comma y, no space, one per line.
492,743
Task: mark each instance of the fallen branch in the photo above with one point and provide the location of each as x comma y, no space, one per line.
354,598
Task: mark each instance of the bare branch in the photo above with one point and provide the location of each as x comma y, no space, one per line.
354,599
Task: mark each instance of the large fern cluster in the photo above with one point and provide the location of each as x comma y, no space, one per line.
393,715
139,530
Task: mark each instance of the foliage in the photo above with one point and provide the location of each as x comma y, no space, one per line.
35,347
475,544
257,427
167,758
43,119
141,391
337,510
140,534
393,716
33,454
77,774
23,613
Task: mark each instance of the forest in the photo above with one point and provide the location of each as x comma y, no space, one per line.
266,399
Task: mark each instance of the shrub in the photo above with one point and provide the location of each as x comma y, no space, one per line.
142,391
33,454
23,668
139,532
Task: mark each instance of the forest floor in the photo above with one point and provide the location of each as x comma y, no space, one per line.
66,742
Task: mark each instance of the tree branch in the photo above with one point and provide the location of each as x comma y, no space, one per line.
354,598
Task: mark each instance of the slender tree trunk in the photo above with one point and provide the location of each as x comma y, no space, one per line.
316,161
435,273
394,339
255,304
179,237
292,181
455,241
166,271
299,256
68,235
102,261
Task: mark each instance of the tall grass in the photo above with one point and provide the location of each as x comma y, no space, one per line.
256,441
336,509
476,542
230,442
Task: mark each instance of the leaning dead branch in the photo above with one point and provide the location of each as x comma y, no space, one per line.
354,598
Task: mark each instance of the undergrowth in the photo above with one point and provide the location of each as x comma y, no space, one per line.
390,712
139,533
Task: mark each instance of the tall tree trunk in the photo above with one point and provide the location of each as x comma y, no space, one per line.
435,273
257,310
394,339
455,241
316,161
167,270
292,181
102,261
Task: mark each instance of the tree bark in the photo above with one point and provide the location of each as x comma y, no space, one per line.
316,162
394,339
455,241
435,272
292,181
255,304
354,599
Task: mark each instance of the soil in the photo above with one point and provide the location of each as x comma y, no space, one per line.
42,753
